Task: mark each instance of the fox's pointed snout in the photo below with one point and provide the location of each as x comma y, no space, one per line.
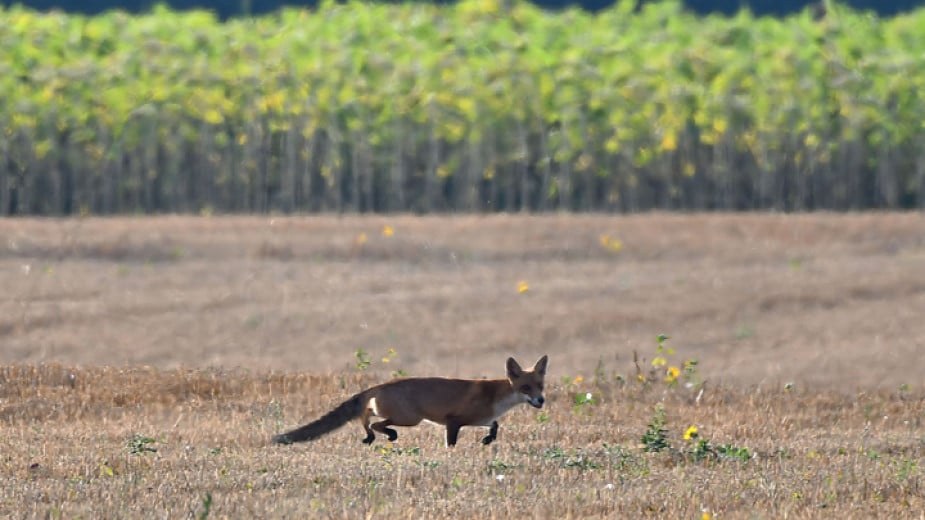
537,402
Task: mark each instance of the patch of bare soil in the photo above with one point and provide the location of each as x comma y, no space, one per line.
832,300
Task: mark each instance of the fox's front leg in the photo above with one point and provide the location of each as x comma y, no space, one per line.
492,433
452,431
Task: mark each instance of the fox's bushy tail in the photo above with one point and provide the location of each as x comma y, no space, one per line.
346,411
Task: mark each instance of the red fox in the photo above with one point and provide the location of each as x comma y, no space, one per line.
451,402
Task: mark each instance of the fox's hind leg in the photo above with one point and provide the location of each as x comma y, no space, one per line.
383,427
364,419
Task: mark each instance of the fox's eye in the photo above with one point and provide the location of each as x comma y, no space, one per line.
525,389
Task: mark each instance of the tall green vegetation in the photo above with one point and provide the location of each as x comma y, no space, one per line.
479,106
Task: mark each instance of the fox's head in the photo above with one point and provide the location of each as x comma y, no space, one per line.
528,384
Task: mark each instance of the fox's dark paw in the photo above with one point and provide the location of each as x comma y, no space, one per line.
369,439
488,440
392,434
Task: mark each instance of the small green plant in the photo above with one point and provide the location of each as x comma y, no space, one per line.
206,506
363,360
390,449
581,462
744,332
690,375
323,481
572,459
388,357
733,452
703,449
583,401
661,352
553,453
662,369
140,444
907,467
542,417
655,439
624,460
496,466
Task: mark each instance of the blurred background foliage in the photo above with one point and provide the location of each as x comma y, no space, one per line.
477,106
228,8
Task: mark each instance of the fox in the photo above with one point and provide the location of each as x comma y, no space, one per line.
453,403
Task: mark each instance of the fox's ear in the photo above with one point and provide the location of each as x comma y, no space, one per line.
540,366
513,369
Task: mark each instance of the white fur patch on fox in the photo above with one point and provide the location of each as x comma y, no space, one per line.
372,406
502,406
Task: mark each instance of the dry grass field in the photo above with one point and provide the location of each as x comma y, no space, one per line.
146,362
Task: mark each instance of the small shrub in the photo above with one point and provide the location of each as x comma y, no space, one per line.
655,439
363,360
140,444
206,506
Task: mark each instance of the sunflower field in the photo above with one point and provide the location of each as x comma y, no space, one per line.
483,105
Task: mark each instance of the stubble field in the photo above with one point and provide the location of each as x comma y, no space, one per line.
146,362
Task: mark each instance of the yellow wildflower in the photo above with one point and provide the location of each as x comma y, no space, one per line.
612,244
671,375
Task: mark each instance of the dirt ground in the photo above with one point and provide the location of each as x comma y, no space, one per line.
832,301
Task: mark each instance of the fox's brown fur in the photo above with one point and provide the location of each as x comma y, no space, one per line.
451,402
